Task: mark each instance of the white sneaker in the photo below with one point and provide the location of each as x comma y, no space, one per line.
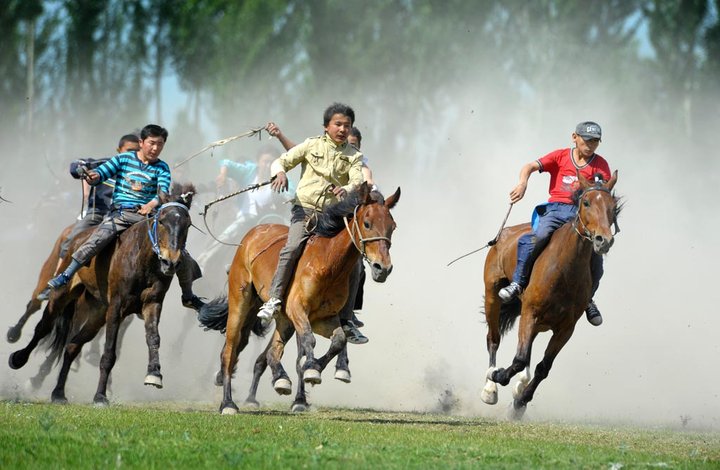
510,292
268,310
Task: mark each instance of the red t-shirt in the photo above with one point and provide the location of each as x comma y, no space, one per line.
563,173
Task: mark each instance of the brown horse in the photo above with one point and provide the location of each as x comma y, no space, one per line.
358,225
131,276
558,292
46,273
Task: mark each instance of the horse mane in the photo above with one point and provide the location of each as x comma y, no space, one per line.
182,193
330,222
598,184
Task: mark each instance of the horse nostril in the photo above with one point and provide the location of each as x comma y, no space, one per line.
599,239
377,267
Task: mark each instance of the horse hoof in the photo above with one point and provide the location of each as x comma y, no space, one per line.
519,388
516,414
299,408
229,410
343,375
489,396
154,380
312,377
101,402
16,360
59,400
13,335
283,386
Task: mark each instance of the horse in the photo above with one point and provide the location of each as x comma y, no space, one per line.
130,276
46,273
557,294
357,226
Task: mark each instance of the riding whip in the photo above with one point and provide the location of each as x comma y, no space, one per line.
222,198
219,143
491,242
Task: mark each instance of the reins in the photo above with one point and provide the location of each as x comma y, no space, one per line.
152,230
491,242
363,241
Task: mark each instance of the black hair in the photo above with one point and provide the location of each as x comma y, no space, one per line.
128,138
153,130
338,108
356,132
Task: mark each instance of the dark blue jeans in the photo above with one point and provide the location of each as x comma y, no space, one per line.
553,216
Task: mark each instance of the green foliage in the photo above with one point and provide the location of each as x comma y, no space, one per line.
48,436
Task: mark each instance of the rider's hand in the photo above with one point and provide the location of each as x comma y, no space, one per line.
280,183
339,191
272,129
518,192
92,176
145,209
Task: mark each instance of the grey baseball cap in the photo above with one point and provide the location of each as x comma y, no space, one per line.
588,130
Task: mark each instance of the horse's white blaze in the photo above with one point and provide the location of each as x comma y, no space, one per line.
153,380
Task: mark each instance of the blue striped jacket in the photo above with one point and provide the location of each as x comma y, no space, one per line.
136,183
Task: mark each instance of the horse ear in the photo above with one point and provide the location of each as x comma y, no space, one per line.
610,184
364,193
392,200
584,183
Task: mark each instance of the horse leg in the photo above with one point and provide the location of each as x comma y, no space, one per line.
556,343
89,316
37,380
342,366
300,403
306,344
107,361
54,308
489,393
283,332
526,336
330,328
151,314
261,364
15,331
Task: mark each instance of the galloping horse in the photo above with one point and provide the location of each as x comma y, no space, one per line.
358,225
558,292
46,273
131,276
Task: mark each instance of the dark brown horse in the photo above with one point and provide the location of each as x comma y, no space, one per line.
46,273
357,226
558,292
131,276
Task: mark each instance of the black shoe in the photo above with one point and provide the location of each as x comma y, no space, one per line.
357,322
593,314
353,335
193,302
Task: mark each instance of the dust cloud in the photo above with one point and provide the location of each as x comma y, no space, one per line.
650,363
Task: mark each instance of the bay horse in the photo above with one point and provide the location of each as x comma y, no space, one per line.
130,276
557,294
357,226
47,271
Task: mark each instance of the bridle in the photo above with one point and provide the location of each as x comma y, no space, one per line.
587,234
152,231
362,241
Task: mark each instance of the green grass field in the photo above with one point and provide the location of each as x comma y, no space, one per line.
196,436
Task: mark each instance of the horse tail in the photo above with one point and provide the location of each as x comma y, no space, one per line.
508,314
60,333
214,314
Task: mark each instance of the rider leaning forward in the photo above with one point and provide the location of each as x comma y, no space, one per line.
563,166
139,175
330,168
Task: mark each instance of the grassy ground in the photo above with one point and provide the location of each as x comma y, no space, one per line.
196,436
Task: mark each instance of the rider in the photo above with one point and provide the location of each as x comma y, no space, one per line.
357,278
330,169
138,178
563,166
98,199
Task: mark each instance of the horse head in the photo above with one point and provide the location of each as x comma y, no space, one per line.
373,226
597,212
170,224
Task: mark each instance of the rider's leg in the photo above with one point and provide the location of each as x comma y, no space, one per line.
352,333
596,271
189,271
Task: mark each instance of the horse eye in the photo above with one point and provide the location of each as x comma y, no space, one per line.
366,224
586,203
